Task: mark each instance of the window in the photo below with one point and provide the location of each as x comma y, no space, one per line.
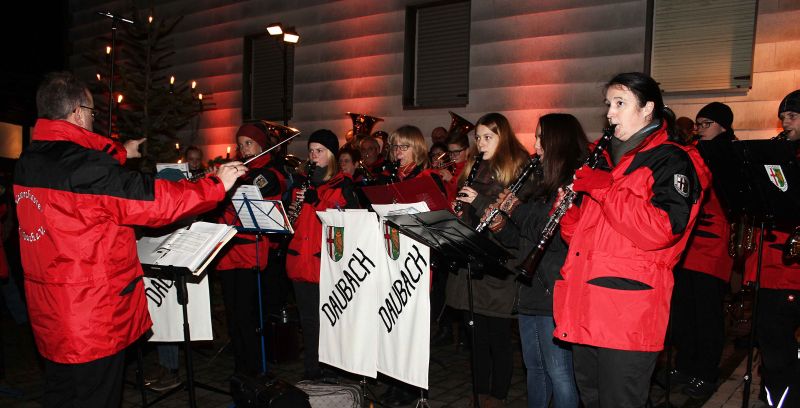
436,73
702,45
263,78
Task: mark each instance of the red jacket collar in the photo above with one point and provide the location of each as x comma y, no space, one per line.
47,130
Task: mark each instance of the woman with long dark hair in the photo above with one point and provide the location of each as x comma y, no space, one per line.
493,295
561,145
625,237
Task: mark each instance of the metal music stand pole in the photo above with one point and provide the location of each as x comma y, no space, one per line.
114,18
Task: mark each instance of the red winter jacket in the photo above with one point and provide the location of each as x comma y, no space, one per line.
707,250
775,274
240,253
624,241
303,254
76,207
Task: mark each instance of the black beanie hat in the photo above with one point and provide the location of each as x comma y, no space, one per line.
326,138
790,103
718,112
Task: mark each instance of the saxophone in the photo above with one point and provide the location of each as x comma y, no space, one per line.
531,262
532,166
297,204
470,178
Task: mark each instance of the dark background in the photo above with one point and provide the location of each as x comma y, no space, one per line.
33,42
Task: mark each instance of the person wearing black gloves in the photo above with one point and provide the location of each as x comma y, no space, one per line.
560,144
328,188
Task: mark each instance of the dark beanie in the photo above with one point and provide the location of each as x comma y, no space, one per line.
790,103
718,112
326,138
254,132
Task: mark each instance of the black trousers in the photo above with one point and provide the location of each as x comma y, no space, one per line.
698,323
97,383
778,318
493,355
307,296
241,311
609,378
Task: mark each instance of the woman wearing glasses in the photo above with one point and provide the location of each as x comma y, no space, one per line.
328,188
493,296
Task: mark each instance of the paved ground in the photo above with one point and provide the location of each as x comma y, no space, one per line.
449,374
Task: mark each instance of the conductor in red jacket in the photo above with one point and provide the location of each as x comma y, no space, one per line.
76,206
624,239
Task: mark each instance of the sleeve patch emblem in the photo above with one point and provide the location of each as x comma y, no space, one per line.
260,181
681,184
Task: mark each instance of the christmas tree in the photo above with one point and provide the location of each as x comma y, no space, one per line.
154,104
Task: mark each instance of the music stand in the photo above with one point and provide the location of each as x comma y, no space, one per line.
443,232
758,178
181,276
260,217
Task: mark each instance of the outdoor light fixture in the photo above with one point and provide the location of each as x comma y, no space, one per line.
290,36
275,29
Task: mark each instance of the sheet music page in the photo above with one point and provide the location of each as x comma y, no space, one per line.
186,247
269,215
252,192
385,210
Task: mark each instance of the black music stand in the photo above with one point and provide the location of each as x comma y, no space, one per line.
443,232
260,217
181,276
759,178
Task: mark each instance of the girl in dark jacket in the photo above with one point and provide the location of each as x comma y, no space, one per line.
560,144
503,158
328,188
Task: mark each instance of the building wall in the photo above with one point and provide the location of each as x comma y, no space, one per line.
527,58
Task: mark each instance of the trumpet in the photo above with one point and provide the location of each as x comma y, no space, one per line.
367,174
438,163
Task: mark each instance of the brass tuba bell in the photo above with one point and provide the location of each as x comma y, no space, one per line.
363,124
459,125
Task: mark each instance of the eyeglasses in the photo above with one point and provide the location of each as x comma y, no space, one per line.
402,148
455,152
92,110
704,125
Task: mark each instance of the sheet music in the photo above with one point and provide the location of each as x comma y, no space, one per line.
251,191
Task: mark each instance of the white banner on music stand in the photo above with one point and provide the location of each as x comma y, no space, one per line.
404,303
167,314
349,267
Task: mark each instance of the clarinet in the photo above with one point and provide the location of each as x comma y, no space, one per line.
394,167
531,262
782,136
514,187
470,178
301,192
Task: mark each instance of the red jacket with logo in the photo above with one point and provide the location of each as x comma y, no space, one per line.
303,254
707,250
240,253
624,241
76,206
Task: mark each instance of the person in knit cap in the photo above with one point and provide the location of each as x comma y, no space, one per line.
713,120
321,187
237,263
789,114
702,280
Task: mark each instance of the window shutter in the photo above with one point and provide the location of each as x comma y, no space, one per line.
703,45
441,55
265,87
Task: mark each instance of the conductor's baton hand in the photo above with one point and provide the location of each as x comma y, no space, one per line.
229,172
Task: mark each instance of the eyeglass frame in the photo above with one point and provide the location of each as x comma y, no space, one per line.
456,152
704,125
92,110
402,148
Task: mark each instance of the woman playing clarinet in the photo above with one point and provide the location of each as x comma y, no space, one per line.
503,158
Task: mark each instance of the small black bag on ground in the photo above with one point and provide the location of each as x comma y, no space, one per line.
266,392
